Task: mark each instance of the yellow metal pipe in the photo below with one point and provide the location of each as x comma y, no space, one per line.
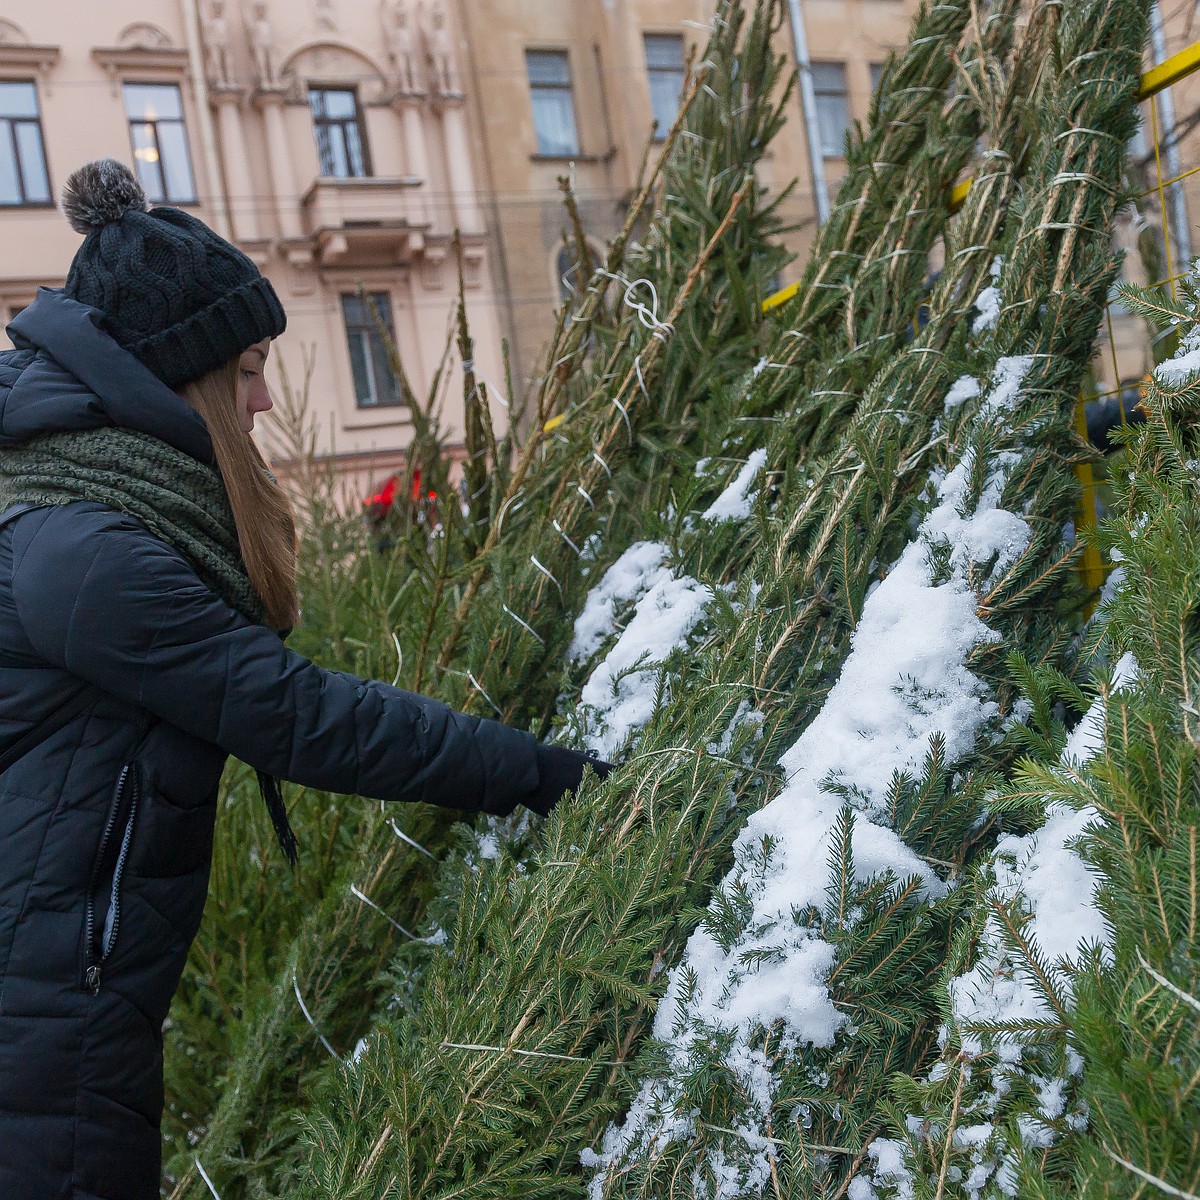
1172,70
958,196
780,297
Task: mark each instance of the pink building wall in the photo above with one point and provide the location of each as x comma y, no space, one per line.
254,159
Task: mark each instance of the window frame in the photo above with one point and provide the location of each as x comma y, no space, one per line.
7,123
553,88
324,123
181,121
843,94
369,331
660,134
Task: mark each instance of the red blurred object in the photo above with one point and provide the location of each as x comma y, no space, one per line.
384,497
383,501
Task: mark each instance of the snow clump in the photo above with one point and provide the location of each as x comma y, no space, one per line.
904,681
622,691
734,503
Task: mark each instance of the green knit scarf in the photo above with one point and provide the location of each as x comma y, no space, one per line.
178,499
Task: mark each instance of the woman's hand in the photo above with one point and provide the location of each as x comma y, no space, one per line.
560,771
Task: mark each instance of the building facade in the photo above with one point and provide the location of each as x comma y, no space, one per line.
341,143
329,141
573,89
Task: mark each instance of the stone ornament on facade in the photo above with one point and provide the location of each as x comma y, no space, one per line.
401,46
215,31
333,64
140,46
12,35
326,18
16,51
262,46
141,35
441,51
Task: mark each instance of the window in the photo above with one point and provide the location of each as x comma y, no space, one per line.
876,75
23,175
374,383
833,109
341,138
664,65
160,149
553,107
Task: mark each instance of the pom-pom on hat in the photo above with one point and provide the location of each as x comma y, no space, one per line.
173,293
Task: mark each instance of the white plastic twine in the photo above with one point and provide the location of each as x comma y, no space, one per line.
382,912
566,537
647,314
400,661
405,838
523,624
309,1018
495,391
467,675
547,572
208,1182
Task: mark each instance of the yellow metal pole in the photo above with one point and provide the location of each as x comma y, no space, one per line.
959,195
1170,71
780,297
1091,565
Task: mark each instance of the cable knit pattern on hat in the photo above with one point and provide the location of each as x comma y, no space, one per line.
174,294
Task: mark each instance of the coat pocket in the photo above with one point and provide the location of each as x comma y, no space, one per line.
102,914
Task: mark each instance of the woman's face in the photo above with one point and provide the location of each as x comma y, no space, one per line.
252,393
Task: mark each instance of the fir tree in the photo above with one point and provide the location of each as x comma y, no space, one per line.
1136,1017
505,1072
740,1099
1071,1057
241,1049
516,1047
685,317
887,204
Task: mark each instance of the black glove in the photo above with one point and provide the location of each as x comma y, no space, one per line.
560,770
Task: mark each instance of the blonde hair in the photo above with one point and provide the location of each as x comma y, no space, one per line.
266,527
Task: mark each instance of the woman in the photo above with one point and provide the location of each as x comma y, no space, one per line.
147,580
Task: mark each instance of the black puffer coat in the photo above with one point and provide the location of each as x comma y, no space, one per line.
106,827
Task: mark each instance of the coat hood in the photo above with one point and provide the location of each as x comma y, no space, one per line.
67,373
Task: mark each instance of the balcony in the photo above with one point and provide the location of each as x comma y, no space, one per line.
364,222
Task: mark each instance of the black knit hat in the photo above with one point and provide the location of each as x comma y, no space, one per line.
173,293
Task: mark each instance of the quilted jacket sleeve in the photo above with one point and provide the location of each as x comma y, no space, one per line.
103,598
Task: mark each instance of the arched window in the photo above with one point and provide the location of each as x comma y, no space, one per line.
337,81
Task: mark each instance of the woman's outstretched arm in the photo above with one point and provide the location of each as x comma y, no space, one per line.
103,598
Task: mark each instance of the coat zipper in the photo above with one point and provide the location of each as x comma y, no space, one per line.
98,950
